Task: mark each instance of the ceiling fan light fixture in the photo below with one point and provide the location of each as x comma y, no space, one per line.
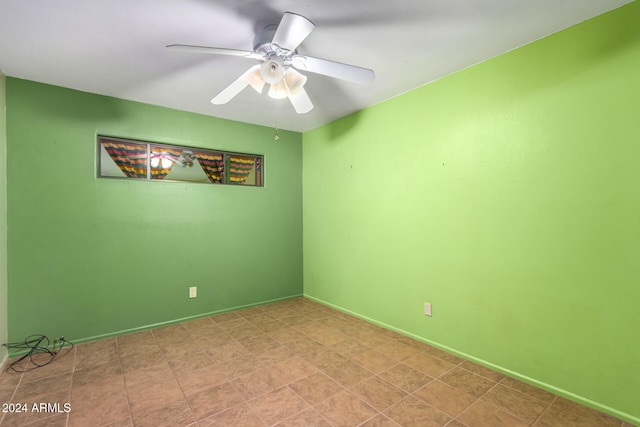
276,48
295,81
279,90
271,71
254,78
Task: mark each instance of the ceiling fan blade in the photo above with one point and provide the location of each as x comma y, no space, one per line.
292,30
333,69
301,102
233,89
214,50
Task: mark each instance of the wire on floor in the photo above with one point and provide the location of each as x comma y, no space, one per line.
38,352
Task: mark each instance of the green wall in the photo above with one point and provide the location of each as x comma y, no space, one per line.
89,257
3,218
508,196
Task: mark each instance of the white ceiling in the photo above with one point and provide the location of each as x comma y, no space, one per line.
117,47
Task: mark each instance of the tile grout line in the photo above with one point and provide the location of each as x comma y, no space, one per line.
399,362
374,374
228,380
546,409
247,401
315,367
164,356
500,408
124,381
73,373
547,404
13,395
193,412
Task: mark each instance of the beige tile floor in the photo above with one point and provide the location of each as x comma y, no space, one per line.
292,363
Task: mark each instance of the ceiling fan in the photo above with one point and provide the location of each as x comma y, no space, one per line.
275,47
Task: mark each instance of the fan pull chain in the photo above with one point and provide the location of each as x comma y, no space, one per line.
276,136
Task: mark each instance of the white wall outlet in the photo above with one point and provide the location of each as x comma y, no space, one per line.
427,309
193,292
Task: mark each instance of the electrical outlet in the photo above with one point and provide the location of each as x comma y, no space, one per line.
427,309
193,291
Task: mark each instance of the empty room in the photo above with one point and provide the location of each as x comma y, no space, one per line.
277,213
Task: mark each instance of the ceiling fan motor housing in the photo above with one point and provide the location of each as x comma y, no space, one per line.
262,43
264,37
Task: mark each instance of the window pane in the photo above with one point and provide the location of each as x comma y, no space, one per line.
123,159
187,168
212,164
241,170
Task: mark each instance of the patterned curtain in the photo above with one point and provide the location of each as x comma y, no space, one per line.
130,158
162,160
212,164
240,168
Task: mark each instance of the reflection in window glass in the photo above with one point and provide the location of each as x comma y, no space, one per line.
187,168
212,164
129,158
242,170
162,161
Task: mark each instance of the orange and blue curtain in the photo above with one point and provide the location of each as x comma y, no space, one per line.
130,158
212,164
240,168
162,160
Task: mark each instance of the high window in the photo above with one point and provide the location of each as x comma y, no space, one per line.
123,158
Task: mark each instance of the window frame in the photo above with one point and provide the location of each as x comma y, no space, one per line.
257,169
